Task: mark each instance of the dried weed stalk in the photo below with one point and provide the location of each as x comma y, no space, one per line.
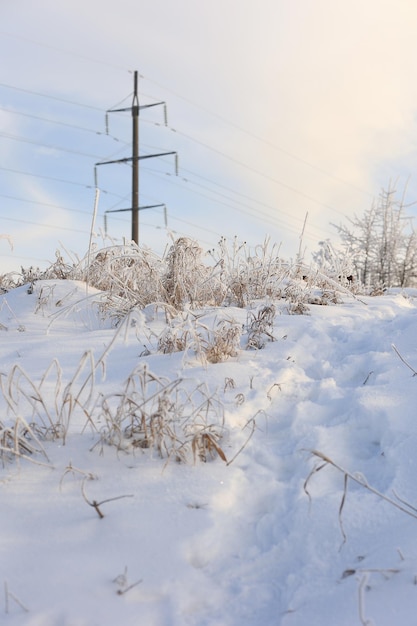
20,442
96,505
325,461
8,595
123,583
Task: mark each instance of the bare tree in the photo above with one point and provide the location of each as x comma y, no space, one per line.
383,243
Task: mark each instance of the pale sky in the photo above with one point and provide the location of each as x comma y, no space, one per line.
276,108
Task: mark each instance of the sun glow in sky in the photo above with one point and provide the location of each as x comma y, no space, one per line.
277,110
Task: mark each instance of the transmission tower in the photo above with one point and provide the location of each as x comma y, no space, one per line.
135,158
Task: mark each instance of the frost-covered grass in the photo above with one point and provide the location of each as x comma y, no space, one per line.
201,456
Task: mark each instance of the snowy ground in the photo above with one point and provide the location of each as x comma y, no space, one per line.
211,544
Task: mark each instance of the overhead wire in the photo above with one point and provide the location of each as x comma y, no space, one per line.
50,226
207,110
51,97
44,204
59,123
263,219
258,172
45,145
257,137
66,52
187,136
230,158
58,180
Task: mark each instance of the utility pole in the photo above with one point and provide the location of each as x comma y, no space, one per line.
135,158
135,161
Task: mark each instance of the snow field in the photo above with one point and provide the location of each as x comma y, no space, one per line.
210,544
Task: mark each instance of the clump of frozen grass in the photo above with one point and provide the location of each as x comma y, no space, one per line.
130,276
225,342
184,278
155,413
260,327
249,275
187,281
187,333
59,269
49,406
182,332
149,412
18,441
173,339
296,294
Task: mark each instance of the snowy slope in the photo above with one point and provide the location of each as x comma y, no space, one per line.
216,544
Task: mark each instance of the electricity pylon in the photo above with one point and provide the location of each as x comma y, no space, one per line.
135,158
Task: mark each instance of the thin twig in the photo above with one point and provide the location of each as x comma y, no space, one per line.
362,586
120,592
342,530
413,508
361,481
403,360
96,505
246,442
75,470
8,594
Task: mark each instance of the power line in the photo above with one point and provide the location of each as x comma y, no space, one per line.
189,137
181,97
66,228
59,180
257,137
66,124
270,178
264,219
50,97
255,212
44,204
45,145
257,172
263,175
67,52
